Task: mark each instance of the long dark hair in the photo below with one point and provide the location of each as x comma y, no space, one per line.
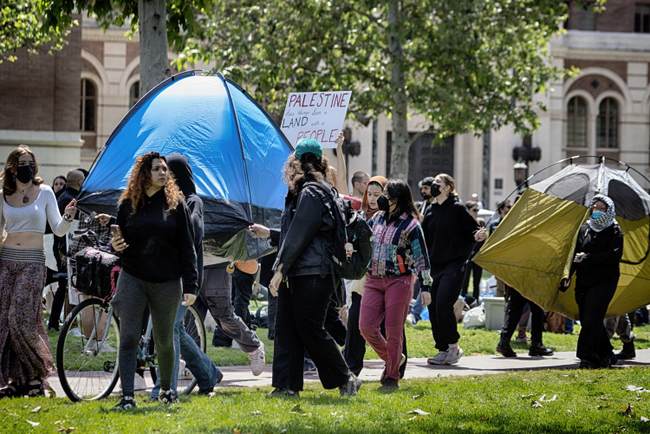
9,177
401,192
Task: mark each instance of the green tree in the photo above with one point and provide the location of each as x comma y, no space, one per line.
466,65
162,24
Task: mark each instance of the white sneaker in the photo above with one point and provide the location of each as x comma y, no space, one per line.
257,360
438,359
410,319
94,346
453,355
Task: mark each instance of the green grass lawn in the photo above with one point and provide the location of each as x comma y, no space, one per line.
570,401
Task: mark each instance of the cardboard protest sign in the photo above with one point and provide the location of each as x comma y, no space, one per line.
319,115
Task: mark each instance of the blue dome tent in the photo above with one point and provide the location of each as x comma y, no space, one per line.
235,150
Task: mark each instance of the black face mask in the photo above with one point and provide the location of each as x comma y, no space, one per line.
382,203
25,174
435,190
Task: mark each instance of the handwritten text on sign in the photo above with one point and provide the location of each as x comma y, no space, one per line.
319,115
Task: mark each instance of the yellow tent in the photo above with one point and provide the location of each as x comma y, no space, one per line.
532,248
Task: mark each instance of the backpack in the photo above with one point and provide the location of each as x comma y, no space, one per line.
349,227
95,272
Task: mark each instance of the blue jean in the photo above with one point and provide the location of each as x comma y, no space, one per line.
416,304
204,370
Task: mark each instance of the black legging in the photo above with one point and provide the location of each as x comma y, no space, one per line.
594,345
445,290
474,270
300,327
514,309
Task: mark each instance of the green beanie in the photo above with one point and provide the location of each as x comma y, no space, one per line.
308,146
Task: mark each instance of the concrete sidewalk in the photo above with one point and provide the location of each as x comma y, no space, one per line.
240,376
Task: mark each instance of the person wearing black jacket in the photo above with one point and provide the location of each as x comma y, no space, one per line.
515,305
203,369
450,232
155,241
71,191
598,252
303,273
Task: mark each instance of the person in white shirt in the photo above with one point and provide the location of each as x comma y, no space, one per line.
25,207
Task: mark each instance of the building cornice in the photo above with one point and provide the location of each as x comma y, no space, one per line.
41,138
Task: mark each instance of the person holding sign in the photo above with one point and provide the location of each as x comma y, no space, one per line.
303,274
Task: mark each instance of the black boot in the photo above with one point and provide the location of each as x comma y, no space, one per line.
504,348
628,352
538,349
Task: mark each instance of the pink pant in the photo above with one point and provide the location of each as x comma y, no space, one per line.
386,298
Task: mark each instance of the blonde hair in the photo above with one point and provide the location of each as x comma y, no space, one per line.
450,182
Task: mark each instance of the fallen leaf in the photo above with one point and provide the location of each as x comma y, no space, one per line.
628,411
419,412
536,404
36,409
418,396
32,423
256,413
644,419
544,399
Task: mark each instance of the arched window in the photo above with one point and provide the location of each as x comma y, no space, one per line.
88,106
607,124
577,123
134,93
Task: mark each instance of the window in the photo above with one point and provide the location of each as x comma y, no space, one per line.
642,18
607,124
134,94
577,123
88,106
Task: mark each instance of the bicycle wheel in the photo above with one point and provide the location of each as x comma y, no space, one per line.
87,351
196,329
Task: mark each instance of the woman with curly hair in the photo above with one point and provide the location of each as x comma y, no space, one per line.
303,276
26,206
154,238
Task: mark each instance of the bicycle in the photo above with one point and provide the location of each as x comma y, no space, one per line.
88,348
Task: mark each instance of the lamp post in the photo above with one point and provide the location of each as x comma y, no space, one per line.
521,174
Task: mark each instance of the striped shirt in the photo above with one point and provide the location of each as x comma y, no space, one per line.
398,247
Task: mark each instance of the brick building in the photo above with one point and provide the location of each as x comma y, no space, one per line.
67,105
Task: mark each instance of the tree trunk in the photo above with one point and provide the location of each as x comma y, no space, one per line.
399,163
152,23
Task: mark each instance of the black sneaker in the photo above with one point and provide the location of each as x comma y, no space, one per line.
283,393
126,403
351,387
389,385
167,397
539,350
505,349
628,352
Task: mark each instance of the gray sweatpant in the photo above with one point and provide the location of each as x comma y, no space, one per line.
620,325
130,303
217,289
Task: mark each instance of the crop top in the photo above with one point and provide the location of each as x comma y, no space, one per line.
32,217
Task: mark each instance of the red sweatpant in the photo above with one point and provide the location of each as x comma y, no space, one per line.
386,298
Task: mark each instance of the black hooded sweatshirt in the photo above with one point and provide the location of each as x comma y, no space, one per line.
182,171
161,242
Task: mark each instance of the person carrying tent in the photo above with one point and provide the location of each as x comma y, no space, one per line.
598,251
514,309
303,273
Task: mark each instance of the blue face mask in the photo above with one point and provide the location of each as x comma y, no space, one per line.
597,214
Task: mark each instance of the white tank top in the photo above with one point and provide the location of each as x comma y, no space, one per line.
32,217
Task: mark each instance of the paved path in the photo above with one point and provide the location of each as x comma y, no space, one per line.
417,368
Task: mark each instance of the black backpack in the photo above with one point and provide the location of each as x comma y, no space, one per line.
349,227
95,272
